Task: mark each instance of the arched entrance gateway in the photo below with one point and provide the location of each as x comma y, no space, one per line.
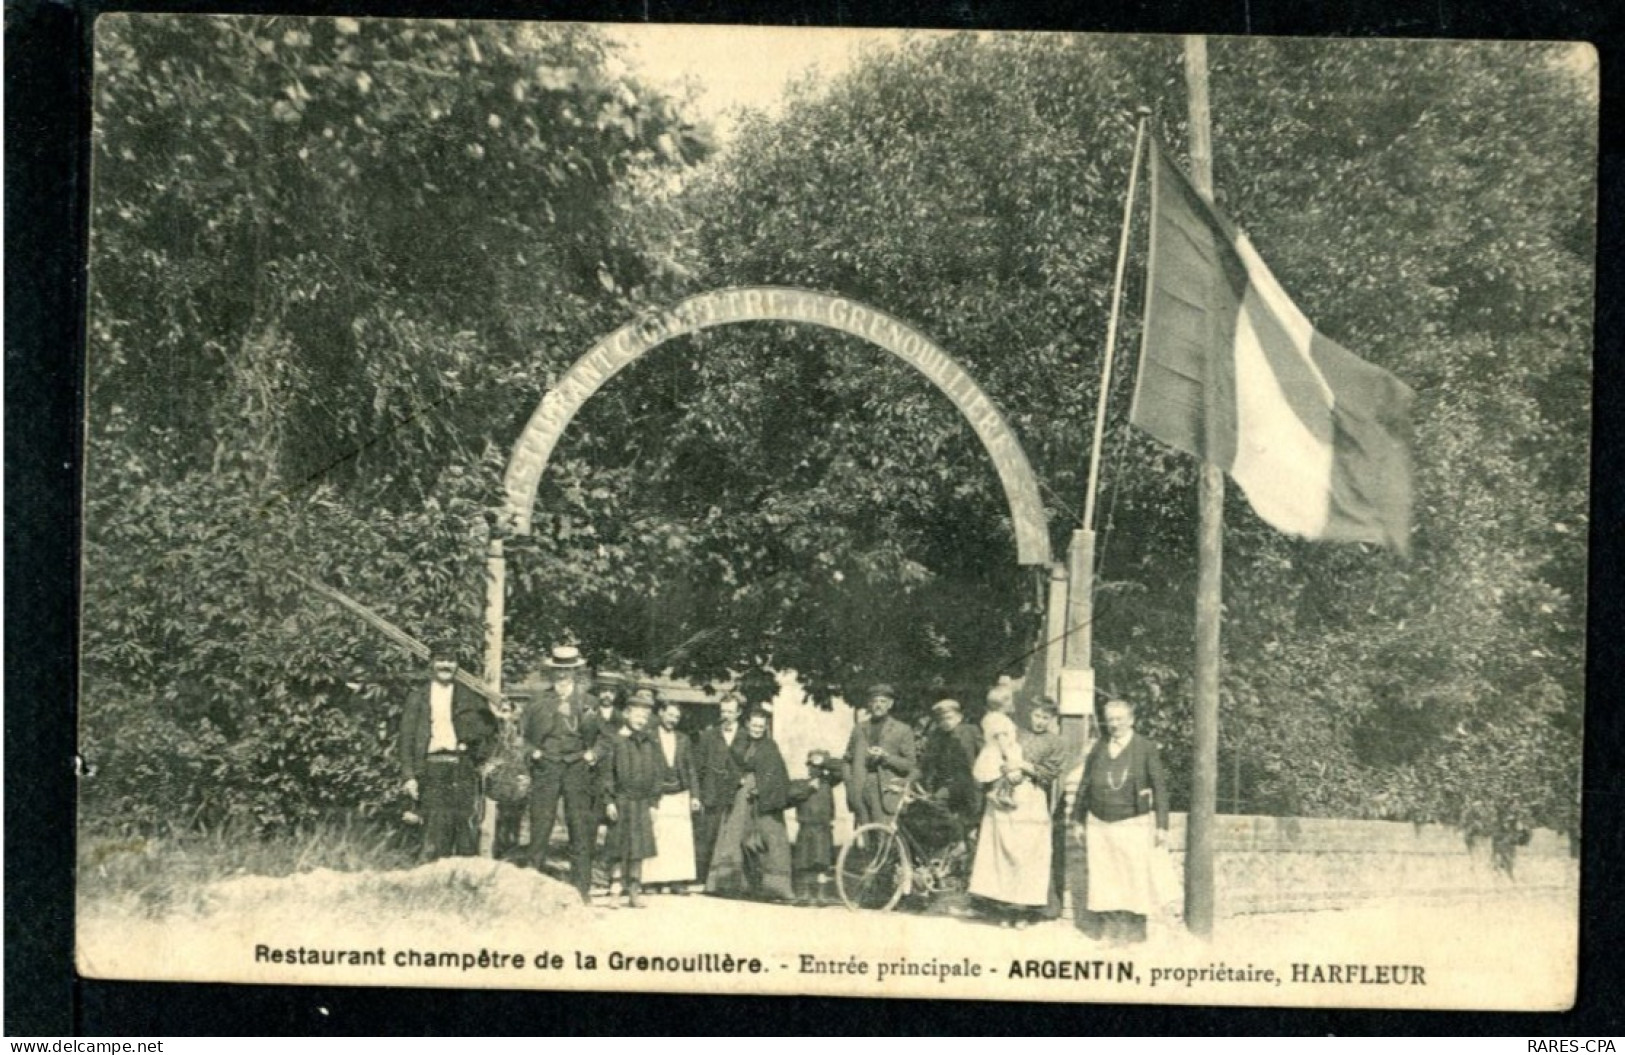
770,304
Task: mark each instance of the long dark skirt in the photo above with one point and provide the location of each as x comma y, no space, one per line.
740,872
632,837
815,848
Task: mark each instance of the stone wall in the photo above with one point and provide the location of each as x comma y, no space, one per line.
1288,864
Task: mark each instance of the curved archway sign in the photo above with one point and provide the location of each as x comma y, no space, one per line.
779,304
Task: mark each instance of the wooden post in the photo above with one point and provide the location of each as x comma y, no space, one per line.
1077,684
1199,904
496,582
496,598
1080,606
1055,635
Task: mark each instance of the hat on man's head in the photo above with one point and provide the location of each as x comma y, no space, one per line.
609,681
1046,704
564,657
946,707
645,696
443,648
882,689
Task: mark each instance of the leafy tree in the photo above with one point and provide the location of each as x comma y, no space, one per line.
334,261
336,264
1427,204
355,247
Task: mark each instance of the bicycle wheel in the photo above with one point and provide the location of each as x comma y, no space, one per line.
873,869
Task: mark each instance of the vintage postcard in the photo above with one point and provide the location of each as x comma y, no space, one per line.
971,515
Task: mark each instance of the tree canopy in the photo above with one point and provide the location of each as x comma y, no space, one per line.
336,263
333,262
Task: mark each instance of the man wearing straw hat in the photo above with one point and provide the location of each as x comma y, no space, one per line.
444,732
561,758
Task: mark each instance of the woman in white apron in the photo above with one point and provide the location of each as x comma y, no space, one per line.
1012,866
672,868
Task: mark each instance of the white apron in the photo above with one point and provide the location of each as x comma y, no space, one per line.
1120,864
673,861
1013,853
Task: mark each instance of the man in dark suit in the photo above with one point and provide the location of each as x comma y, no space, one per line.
562,754
602,724
445,731
887,760
716,778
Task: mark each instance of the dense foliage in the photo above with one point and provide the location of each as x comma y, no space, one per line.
321,314
333,264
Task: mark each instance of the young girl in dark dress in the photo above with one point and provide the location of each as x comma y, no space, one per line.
813,855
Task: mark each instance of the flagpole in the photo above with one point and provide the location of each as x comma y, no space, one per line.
1075,583
1111,324
1199,903
1078,690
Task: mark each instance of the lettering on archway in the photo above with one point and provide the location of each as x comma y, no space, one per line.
777,304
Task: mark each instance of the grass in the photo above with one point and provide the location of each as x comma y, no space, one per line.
463,894
161,876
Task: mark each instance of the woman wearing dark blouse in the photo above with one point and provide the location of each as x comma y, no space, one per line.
752,857
1121,790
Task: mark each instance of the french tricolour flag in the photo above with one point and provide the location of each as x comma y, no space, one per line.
1231,371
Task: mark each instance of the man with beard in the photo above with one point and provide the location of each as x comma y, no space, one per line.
880,757
716,777
1121,817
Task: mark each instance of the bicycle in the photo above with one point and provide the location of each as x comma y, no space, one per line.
884,862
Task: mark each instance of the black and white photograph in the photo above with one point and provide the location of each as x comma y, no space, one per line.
966,515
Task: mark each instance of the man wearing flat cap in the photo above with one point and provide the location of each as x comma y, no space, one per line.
946,759
561,753
880,757
602,724
445,730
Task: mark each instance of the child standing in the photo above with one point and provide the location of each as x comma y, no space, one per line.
813,856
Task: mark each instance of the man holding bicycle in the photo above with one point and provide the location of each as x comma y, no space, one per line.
881,758
945,763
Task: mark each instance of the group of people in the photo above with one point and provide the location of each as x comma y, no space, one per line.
674,811
711,810
1003,785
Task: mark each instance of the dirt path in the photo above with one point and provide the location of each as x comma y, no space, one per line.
1501,953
